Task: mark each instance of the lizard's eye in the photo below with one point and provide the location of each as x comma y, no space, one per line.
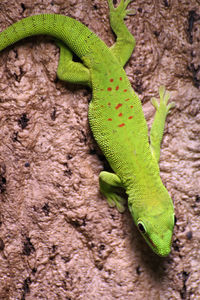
141,227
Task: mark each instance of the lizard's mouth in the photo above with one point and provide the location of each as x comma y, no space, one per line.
150,242
161,251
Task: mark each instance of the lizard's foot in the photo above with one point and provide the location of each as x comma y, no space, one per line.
109,182
119,13
125,42
114,199
164,106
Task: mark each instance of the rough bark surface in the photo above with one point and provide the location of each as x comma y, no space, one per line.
58,237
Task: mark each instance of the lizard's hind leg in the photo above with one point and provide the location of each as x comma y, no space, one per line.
125,43
71,71
157,128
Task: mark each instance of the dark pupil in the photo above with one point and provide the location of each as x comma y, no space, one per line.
141,227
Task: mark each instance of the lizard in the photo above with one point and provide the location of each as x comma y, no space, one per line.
115,116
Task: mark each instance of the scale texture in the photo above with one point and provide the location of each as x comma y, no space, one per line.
39,142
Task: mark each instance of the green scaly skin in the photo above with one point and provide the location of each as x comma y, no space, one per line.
115,115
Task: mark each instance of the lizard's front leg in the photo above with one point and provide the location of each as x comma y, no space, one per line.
108,183
157,129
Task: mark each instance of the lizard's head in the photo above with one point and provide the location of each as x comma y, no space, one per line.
158,234
156,226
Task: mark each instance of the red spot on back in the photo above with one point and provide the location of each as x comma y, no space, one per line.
117,87
121,125
125,90
111,79
131,106
109,89
118,106
109,104
120,78
109,119
131,117
120,114
127,99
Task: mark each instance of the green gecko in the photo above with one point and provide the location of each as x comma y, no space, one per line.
115,116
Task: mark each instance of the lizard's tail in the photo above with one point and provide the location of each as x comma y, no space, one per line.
73,33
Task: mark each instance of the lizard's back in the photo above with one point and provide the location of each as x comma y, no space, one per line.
117,120
115,112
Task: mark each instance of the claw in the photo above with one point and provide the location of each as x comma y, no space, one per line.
120,207
115,200
121,10
171,105
164,98
154,102
127,2
110,4
164,95
161,91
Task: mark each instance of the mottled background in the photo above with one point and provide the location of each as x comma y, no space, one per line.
58,237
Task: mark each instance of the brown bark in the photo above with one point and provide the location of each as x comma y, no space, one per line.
58,237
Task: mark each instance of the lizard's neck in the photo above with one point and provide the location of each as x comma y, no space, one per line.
143,179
